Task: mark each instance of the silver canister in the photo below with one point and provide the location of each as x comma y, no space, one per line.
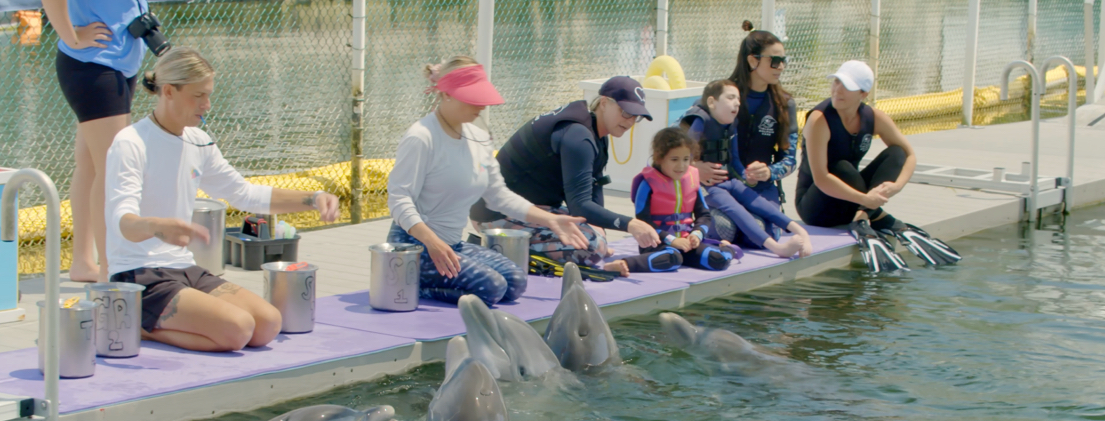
514,244
290,287
118,318
211,214
394,282
76,341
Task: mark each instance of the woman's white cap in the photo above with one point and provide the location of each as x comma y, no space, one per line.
855,75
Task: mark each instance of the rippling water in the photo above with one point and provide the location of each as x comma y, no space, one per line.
1014,332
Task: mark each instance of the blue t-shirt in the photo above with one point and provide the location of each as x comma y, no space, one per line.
124,52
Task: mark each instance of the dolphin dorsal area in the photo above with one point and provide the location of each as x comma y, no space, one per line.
578,333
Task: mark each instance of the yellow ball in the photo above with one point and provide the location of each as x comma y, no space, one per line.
666,65
656,82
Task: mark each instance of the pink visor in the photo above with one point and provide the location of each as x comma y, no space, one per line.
470,86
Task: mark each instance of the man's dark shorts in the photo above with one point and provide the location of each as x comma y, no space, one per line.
162,284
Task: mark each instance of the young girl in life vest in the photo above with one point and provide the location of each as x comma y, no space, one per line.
667,195
742,215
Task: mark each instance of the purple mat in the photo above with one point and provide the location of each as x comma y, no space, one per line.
435,320
160,369
823,239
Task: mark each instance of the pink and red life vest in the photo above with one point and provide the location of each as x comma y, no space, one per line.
672,203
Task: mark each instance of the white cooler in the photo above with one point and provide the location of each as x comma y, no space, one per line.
630,153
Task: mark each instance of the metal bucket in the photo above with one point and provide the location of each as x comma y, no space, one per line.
76,342
396,268
514,244
290,287
118,318
212,215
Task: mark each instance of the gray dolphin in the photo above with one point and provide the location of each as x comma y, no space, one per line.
469,392
577,333
503,342
718,345
337,413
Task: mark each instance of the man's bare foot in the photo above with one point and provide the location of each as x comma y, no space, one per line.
617,266
84,273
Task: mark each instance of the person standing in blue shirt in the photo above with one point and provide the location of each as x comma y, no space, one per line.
96,64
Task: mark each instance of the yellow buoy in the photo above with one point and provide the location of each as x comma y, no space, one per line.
667,65
656,82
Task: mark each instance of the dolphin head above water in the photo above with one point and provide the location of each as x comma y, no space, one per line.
577,333
469,392
503,342
338,413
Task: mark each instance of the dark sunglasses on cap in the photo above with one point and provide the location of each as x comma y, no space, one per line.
776,61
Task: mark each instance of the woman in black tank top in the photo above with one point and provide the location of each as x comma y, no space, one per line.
831,189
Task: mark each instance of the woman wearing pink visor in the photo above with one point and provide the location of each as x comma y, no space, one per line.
443,165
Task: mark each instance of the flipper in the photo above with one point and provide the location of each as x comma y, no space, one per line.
878,254
931,250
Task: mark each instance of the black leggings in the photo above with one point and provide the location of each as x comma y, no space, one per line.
819,209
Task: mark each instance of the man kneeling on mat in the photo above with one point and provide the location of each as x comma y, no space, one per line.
157,164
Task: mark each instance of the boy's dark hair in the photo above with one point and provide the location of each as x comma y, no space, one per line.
670,138
715,88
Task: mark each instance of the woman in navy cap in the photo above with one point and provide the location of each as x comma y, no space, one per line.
556,161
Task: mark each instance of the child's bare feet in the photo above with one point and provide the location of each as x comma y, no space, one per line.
785,250
618,266
804,236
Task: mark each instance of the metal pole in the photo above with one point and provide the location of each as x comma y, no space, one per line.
969,71
1072,106
1030,44
767,16
356,137
661,28
1036,88
1087,24
485,33
873,44
1099,87
8,230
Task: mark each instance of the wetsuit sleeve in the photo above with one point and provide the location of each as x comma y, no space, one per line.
643,207
789,162
702,218
577,148
497,196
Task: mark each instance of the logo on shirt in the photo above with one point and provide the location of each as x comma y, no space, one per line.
195,173
865,143
767,126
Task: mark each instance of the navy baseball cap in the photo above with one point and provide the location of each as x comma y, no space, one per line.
628,94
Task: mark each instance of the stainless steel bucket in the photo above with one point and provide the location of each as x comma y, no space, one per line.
396,268
118,318
212,215
290,287
514,244
76,342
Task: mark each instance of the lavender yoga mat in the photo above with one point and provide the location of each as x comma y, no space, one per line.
160,369
435,320
823,239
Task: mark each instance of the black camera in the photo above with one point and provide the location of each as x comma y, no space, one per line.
148,28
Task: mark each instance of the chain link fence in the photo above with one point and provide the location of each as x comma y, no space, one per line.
282,109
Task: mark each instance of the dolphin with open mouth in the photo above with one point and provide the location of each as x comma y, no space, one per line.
578,333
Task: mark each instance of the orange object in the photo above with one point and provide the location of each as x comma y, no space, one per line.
296,266
30,27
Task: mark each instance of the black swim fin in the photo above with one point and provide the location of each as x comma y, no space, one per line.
931,250
877,253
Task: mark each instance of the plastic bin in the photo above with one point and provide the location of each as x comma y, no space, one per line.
630,153
249,252
9,272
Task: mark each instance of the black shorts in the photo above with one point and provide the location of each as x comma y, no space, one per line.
94,91
162,284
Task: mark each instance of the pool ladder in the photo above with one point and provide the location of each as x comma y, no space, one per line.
1037,192
8,229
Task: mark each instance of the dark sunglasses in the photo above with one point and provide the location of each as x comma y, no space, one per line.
776,61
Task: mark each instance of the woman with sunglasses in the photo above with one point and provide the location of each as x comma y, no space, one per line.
558,158
762,151
442,166
157,165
